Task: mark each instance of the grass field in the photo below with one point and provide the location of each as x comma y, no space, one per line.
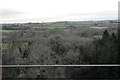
49,27
99,27
52,25
6,31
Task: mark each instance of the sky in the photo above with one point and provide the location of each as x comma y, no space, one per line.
20,11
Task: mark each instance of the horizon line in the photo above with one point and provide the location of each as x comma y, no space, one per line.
55,21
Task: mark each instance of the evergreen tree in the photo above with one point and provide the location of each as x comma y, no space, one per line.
105,36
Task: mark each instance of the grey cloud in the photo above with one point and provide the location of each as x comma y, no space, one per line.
9,13
15,16
100,13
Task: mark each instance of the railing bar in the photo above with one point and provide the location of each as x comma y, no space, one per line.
110,65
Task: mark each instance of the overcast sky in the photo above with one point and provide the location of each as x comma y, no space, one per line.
57,10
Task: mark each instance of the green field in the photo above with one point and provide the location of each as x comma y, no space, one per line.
6,31
99,27
52,25
49,27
